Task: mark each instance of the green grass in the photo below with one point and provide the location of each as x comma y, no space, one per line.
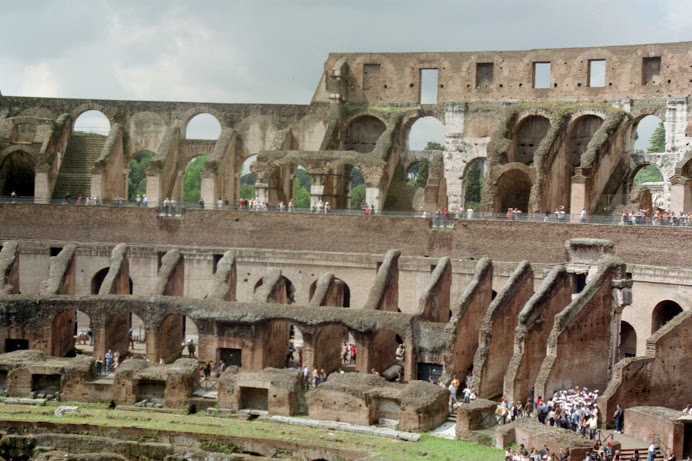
429,447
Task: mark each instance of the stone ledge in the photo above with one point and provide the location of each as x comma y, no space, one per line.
338,426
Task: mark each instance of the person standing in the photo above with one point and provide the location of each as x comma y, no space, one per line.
130,340
138,200
191,349
145,201
619,417
109,361
582,216
651,452
173,204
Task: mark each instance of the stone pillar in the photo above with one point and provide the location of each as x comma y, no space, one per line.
680,193
42,185
262,192
579,195
126,182
317,181
178,188
208,189
97,185
154,190
372,197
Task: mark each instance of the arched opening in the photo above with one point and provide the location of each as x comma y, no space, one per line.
125,336
581,132
177,336
303,183
416,178
362,134
646,188
203,126
248,179
382,350
17,174
97,280
528,136
100,276
628,340
287,291
332,347
283,345
91,123
192,185
137,178
473,184
646,174
664,313
339,294
513,191
426,133
64,334
83,332
650,136
358,187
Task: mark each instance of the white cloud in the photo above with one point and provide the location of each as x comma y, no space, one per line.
39,80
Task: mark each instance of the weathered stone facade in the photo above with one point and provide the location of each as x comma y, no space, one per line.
568,141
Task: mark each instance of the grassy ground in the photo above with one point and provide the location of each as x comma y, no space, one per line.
429,448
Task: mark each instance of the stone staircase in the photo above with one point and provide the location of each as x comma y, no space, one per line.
74,176
626,453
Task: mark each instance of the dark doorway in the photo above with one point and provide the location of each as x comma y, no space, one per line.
254,398
12,345
429,370
231,356
687,441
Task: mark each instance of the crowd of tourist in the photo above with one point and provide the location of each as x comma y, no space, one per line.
659,218
533,454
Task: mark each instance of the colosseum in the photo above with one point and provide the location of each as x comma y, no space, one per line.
522,304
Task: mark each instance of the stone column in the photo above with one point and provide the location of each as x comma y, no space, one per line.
42,184
317,181
208,188
680,193
579,195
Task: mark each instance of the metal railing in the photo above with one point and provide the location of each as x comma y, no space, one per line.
452,219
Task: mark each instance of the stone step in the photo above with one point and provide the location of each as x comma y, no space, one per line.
74,176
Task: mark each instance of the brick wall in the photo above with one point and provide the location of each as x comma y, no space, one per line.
501,240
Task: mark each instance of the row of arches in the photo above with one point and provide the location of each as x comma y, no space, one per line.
515,184
663,312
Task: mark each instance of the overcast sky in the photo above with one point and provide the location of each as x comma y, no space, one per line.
274,51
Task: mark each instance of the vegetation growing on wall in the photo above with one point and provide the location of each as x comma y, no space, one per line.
137,179
193,180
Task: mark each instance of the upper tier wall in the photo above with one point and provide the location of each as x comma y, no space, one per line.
501,240
633,71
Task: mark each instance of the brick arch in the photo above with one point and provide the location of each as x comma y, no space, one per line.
363,113
183,120
467,165
79,110
32,150
365,141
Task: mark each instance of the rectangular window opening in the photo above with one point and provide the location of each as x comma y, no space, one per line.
597,68
651,71
484,75
371,76
541,75
55,251
428,86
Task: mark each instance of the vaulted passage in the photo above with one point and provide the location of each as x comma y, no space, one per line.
513,191
529,135
362,134
664,313
17,174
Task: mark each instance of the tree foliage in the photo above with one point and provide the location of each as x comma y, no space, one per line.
358,197
474,185
303,178
193,180
432,145
356,178
649,173
137,179
657,142
302,197
248,179
247,191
